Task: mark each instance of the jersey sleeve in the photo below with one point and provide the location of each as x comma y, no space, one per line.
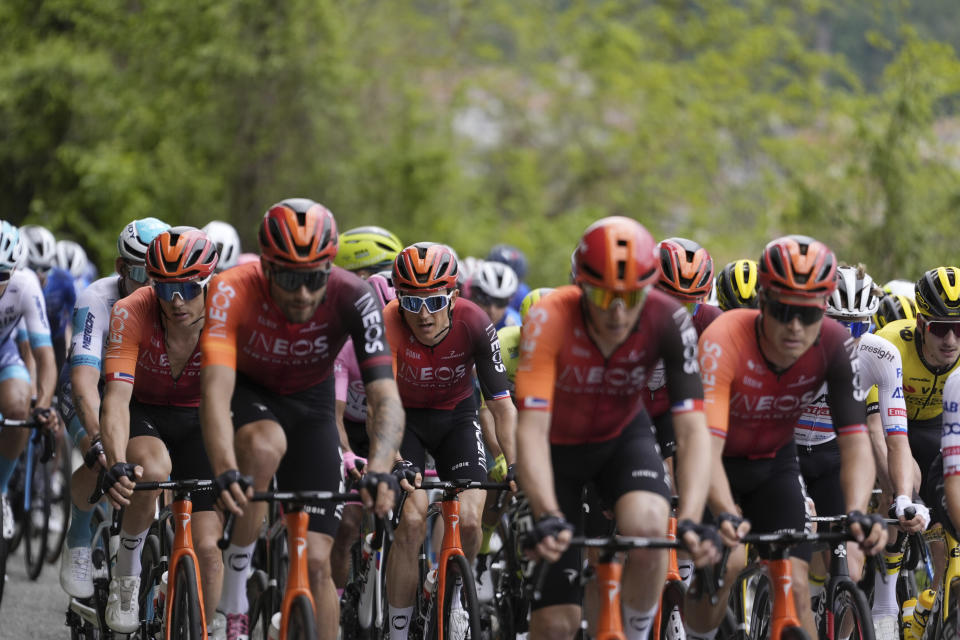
717,356
35,314
678,351
225,310
845,393
91,319
491,371
128,321
881,368
950,438
540,341
366,327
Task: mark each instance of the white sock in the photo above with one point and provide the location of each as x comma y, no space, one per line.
885,595
128,553
700,635
636,624
236,564
399,621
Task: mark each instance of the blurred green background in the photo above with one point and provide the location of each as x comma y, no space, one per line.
476,122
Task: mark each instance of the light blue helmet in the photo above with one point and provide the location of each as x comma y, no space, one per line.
11,249
136,236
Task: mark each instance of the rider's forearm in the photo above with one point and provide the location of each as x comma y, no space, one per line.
534,466
693,456
720,497
857,470
217,382
900,465
86,397
46,375
114,428
385,420
881,455
505,418
339,407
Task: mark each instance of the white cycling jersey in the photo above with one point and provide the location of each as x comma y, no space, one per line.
23,299
950,436
91,322
879,365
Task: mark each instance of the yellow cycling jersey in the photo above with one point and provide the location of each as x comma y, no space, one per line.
922,385
509,338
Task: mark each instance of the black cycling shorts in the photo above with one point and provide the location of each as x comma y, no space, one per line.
666,439
770,493
313,461
629,462
358,437
451,436
179,429
820,467
936,498
924,437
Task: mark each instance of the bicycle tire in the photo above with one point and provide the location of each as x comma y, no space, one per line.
150,576
302,623
850,607
60,504
259,597
671,618
35,533
761,609
459,568
185,622
794,633
4,546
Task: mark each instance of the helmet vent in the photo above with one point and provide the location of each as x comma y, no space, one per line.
621,269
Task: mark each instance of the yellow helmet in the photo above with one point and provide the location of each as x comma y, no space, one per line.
737,285
938,293
531,299
894,307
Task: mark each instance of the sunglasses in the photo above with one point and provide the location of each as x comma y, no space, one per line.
293,279
856,327
484,300
603,299
5,276
413,304
785,313
940,328
167,291
137,273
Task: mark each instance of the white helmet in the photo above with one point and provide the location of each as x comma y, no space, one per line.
71,257
136,236
11,249
495,280
225,236
469,266
41,247
901,288
854,296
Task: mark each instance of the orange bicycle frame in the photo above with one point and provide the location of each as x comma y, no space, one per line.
449,546
182,511
298,582
609,617
784,613
673,573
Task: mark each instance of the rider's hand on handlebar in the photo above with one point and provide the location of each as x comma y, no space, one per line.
234,491
732,528
351,466
921,518
407,474
549,538
118,482
702,541
868,530
378,491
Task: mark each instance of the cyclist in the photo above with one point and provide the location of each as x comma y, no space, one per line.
367,250
894,306
584,358
737,285
150,420
686,275
439,339
492,288
227,241
900,287
516,260
761,369
930,349
272,332
21,298
59,292
72,258
80,387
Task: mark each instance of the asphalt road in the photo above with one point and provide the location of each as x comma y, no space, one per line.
32,610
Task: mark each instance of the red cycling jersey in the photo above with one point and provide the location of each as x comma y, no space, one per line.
137,353
246,331
659,401
592,398
440,377
756,408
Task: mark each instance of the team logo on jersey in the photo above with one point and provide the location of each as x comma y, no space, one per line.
220,300
372,321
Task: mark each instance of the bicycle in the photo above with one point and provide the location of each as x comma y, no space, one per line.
296,608
432,611
944,619
86,618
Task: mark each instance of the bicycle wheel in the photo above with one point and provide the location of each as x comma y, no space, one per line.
3,558
59,472
671,618
260,599
185,622
760,607
458,573
36,521
151,571
851,613
302,624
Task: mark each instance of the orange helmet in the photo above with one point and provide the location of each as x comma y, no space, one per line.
425,266
181,254
798,266
686,269
298,233
616,253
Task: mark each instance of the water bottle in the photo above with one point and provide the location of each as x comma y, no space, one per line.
921,612
906,618
160,596
370,588
274,632
429,583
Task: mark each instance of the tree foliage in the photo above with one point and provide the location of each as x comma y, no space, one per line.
474,122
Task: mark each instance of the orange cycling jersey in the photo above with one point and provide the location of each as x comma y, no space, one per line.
137,353
592,398
754,406
246,331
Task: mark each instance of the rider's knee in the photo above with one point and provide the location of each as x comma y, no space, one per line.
555,623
